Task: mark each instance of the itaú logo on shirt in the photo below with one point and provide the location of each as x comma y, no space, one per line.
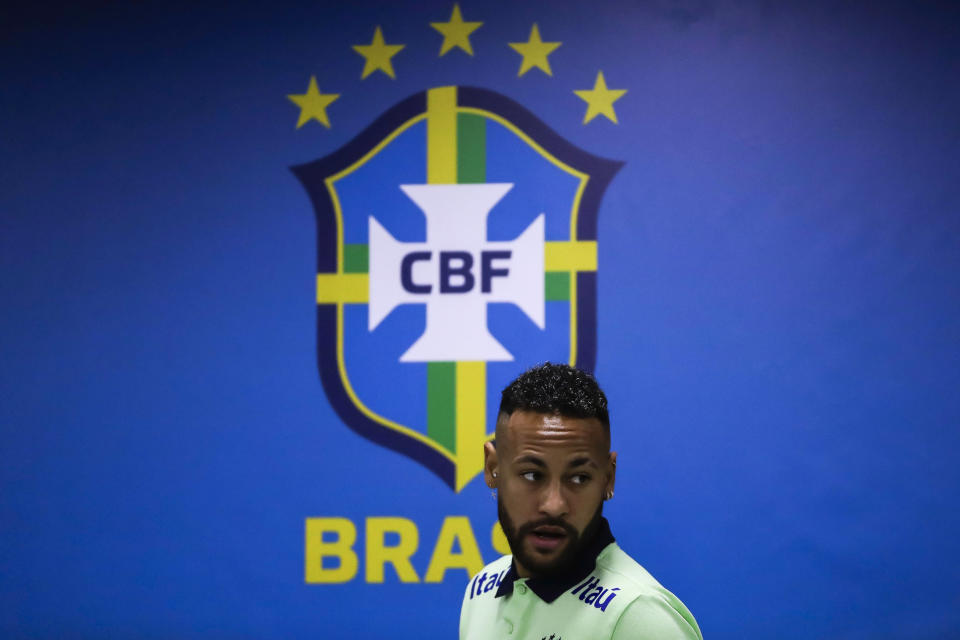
492,580
594,593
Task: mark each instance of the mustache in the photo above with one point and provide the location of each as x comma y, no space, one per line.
547,522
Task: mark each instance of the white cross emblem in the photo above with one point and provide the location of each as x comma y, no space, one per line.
456,272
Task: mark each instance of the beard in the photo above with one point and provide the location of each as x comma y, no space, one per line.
552,567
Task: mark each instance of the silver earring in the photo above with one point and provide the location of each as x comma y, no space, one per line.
609,495
494,474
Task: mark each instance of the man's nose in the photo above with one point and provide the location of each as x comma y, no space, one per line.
552,501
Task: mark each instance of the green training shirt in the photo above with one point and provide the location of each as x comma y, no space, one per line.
606,595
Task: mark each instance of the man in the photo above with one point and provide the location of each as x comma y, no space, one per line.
552,468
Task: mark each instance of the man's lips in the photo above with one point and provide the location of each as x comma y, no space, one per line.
547,538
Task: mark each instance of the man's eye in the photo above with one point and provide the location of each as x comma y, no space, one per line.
580,478
530,476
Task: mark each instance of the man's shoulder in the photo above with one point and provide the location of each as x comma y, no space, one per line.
651,606
615,560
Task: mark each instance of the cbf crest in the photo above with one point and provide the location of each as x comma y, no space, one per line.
457,245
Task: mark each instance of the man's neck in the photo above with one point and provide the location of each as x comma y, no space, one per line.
549,587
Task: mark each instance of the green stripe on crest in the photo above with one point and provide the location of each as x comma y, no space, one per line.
556,285
441,404
356,258
471,148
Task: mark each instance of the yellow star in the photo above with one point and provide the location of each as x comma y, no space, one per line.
377,55
600,99
534,52
313,104
456,32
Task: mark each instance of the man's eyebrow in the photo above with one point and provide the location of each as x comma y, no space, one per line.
534,460
581,461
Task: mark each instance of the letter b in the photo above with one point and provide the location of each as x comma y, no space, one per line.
447,270
342,549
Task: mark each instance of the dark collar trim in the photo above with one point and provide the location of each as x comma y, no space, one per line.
549,589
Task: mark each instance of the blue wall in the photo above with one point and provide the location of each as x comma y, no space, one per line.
777,325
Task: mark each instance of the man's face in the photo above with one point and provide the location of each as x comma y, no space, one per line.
552,475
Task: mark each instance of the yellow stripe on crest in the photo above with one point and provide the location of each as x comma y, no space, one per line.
578,255
442,135
343,288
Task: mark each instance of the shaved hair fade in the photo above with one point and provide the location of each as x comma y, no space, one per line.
556,389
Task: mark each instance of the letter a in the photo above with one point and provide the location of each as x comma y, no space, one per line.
455,529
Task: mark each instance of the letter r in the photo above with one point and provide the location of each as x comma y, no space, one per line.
379,554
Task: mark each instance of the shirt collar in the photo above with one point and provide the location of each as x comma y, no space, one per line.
549,589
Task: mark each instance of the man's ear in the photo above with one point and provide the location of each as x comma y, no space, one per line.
611,474
491,465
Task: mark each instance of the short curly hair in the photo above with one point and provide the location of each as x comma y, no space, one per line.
556,389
